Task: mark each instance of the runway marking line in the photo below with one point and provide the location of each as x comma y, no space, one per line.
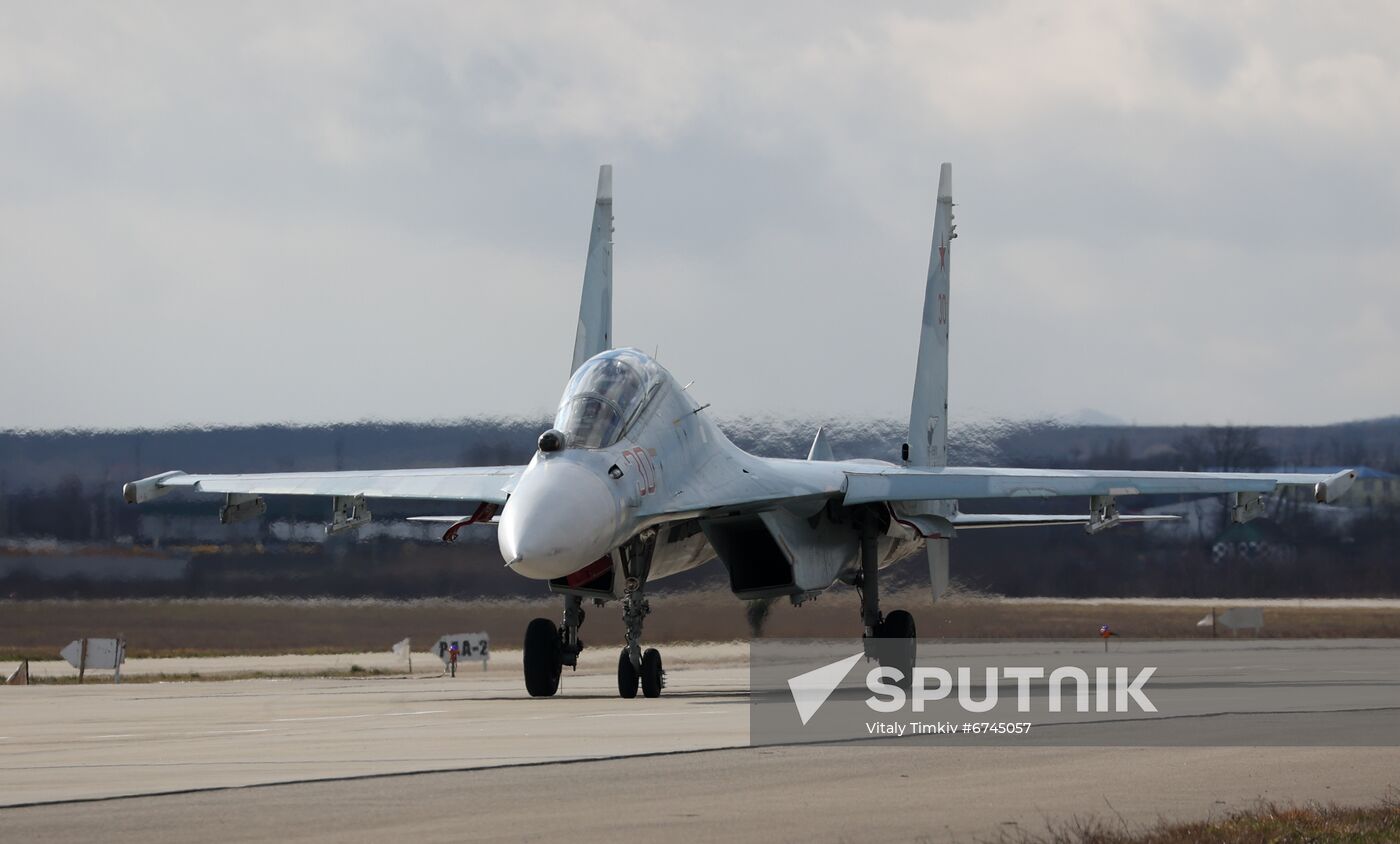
226,732
175,735
649,714
533,763
365,715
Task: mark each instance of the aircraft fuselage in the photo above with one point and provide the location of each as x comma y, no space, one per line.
575,506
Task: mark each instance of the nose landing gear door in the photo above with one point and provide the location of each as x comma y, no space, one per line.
596,580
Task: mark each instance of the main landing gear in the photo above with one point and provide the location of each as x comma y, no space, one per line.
549,648
888,639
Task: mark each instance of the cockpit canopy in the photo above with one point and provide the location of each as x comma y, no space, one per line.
604,396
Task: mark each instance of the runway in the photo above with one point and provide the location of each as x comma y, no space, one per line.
590,765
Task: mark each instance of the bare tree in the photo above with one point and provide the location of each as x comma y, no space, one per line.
1224,448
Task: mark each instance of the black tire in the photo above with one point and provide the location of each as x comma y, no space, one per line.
626,676
898,625
543,659
899,646
653,678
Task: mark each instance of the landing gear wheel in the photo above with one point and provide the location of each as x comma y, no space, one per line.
626,676
543,658
653,678
898,625
897,646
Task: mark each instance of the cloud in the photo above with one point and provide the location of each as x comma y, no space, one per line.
1168,212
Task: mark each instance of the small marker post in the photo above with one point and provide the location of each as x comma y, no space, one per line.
1106,633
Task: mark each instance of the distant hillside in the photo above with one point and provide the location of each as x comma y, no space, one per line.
36,461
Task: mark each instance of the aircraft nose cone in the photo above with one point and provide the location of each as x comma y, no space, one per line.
560,517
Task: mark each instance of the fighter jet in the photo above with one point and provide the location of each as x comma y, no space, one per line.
635,482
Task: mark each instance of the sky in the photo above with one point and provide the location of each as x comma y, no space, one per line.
318,212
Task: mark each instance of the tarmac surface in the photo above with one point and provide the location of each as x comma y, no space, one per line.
437,758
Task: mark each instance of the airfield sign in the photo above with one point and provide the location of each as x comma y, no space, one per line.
1235,619
107,654
471,647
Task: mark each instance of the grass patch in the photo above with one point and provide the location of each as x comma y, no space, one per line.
1266,824
105,678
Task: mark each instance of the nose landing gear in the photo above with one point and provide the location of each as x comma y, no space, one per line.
634,666
627,676
653,675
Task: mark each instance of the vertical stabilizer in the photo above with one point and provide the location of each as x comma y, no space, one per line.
595,307
928,415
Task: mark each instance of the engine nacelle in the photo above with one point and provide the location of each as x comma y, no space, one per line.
791,552
758,566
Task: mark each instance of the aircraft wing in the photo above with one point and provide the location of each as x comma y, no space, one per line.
900,483
489,484
786,482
